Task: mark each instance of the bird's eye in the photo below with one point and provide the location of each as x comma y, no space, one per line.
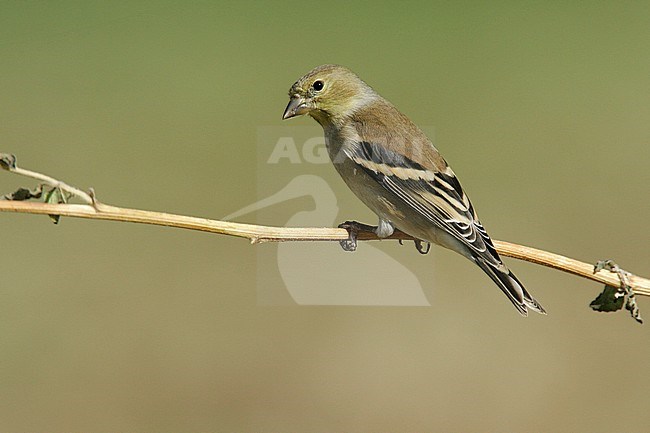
318,85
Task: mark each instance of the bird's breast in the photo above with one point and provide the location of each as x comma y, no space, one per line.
371,193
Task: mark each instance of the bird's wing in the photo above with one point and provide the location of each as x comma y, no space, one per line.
429,188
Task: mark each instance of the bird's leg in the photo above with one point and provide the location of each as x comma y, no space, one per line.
384,228
354,228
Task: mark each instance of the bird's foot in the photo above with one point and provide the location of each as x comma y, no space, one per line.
354,228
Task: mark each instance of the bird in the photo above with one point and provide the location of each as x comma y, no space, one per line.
314,274
394,169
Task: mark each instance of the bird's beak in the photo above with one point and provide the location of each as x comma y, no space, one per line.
297,107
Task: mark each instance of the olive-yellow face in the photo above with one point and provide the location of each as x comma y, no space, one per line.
305,96
326,92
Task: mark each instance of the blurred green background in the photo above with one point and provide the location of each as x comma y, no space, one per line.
542,108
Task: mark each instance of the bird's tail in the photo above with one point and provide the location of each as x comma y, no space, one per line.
512,287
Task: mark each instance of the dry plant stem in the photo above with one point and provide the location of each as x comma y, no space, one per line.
54,183
259,234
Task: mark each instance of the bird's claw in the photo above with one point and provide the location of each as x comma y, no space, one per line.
349,244
423,247
353,228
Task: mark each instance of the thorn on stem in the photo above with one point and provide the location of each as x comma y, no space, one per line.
93,197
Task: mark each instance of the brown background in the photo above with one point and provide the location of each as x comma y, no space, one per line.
542,109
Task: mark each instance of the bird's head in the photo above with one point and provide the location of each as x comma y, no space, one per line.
328,93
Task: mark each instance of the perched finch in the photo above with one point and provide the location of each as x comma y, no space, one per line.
391,165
